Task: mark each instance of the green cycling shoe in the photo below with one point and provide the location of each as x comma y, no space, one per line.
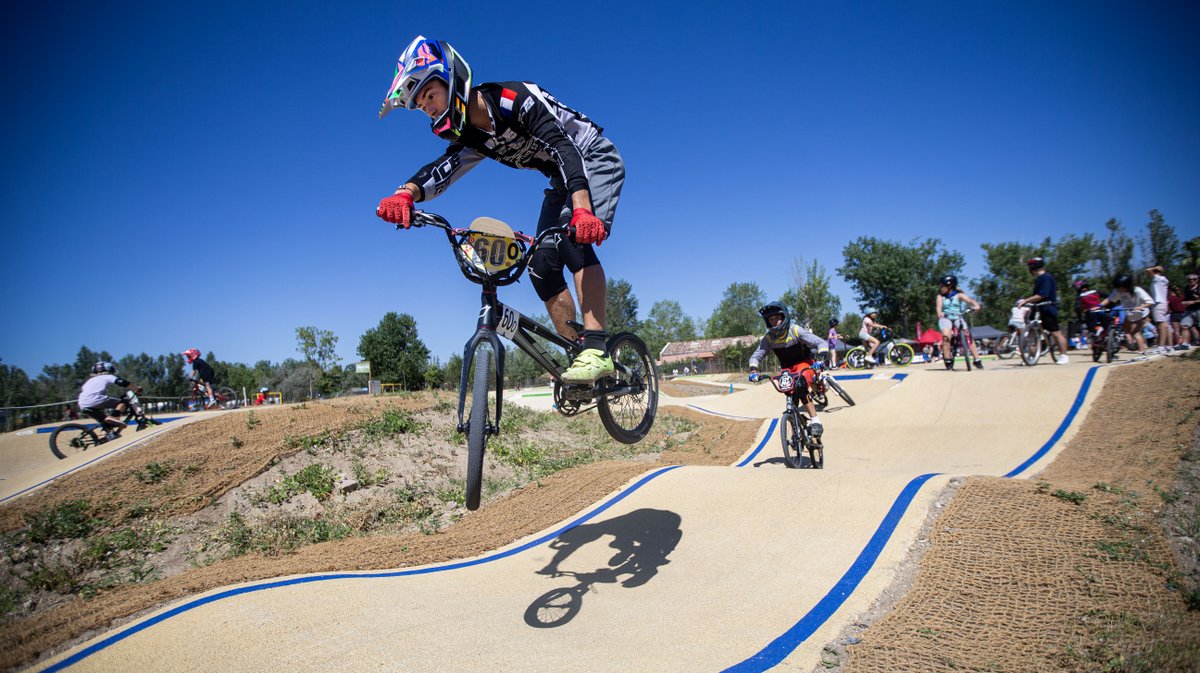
591,364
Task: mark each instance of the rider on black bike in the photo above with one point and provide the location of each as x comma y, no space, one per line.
521,126
796,349
202,373
95,402
951,306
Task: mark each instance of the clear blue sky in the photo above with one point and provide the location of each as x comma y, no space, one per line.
150,146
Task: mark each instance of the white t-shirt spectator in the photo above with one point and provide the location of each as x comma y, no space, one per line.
1130,301
1158,287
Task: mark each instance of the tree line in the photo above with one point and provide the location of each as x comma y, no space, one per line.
897,279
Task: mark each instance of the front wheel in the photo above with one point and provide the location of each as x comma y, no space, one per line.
1031,346
1111,344
819,395
70,439
856,358
791,438
901,354
628,413
964,341
477,426
837,388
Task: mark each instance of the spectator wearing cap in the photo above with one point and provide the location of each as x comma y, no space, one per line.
1046,290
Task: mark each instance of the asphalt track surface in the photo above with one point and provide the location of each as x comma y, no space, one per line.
750,567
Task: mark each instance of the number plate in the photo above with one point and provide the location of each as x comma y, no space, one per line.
507,325
491,254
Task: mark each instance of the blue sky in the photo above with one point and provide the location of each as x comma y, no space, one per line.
206,174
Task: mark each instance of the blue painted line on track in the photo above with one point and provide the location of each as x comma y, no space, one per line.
778,649
770,431
193,604
785,644
1062,427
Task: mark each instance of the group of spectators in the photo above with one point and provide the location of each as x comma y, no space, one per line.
1168,315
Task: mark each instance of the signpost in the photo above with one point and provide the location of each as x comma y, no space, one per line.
364,367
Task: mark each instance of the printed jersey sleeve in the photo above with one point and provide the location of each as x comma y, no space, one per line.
435,177
811,339
535,114
761,352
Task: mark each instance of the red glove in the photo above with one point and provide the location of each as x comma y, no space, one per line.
397,209
588,228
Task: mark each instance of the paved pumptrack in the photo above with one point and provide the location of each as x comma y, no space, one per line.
744,568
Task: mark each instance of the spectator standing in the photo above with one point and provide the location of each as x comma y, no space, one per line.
1177,308
1160,312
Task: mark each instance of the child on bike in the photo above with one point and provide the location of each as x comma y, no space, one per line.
202,373
951,307
95,402
1046,290
1136,303
520,125
1087,303
796,348
869,325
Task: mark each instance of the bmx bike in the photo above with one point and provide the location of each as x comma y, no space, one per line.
961,341
195,400
889,350
1035,342
822,384
1110,337
492,255
70,439
794,433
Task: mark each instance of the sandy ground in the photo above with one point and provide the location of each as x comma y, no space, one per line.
746,557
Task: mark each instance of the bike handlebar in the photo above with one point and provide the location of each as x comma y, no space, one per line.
457,237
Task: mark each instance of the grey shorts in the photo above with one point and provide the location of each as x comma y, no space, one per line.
1189,319
606,176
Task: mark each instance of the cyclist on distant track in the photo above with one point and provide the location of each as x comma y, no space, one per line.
520,125
95,402
796,348
202,373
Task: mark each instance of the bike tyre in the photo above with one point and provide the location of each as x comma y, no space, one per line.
1005,348
70,439
789,437
1031,347
1110,346
816,452
477,426
227,398
966,350
901,355
820,398
628,418
554,608
837,388
1051,347
856,358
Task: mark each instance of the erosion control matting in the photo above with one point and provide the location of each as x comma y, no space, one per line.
1069,571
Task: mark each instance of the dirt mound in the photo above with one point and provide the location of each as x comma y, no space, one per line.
1071,571
206,464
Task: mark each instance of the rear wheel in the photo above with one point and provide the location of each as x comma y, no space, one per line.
226,397
816,453
477,425
966,348
1111,344
629,414
901,354
1006,347
837,388
70,439
790,437
856,358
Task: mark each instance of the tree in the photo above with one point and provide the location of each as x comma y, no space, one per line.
737,314
666,323
621,307
1115,255
896,279
1193,254
1162,247
1008,279
318,346
849,325
810,297
452,372
395,351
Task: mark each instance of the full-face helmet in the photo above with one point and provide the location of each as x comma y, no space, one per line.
104,368
190,355
420,63
775,308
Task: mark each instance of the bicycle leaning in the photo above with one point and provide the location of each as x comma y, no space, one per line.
794,432
70,439
889,350
492,255
822,383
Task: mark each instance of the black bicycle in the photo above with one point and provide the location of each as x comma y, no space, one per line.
1035,341
70,439
794,433
491,254
961,341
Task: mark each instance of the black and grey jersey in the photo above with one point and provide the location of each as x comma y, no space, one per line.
530,129
796,346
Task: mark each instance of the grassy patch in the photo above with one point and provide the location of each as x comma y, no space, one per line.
279,535
391,423
64,521
152,473
316,479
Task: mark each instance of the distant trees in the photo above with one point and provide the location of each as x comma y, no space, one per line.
665,323
622,307
896,279
396,353
1007,276
810,297
737,312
